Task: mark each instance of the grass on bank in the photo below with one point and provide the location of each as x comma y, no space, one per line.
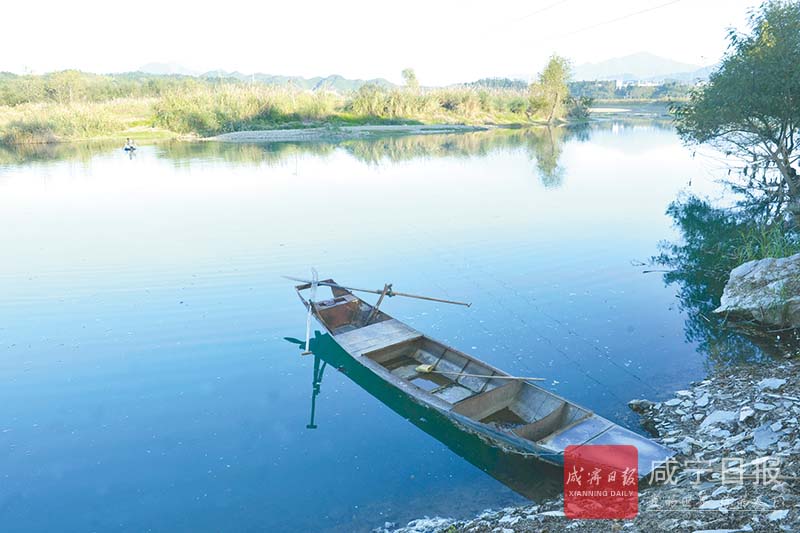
46,122
213,109
759,241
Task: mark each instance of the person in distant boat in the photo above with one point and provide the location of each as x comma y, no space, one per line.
129,145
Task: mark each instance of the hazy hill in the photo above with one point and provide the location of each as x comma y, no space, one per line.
641,66
333,82
166,69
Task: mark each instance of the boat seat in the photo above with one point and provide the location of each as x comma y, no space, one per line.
485,404
376,337
545,426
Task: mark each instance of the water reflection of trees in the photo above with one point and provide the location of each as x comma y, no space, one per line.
25,154
699,265
544,146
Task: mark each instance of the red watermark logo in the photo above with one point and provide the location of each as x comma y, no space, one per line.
601,481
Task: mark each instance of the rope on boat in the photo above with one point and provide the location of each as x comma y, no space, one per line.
429,369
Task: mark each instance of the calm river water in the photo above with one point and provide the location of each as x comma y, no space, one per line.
146,382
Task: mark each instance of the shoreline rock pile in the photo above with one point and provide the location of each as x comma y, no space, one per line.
738,465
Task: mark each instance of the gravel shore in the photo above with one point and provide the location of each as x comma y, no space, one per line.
737,469
340,133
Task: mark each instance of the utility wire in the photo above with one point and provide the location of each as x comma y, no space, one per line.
604,23
542,10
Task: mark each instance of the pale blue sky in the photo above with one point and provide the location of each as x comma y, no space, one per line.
446,41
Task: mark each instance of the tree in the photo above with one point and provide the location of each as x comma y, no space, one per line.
750,107
410,78
65,86
549,93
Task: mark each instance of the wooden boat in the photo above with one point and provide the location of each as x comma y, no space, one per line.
511,413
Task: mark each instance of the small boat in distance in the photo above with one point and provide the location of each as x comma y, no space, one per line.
510,412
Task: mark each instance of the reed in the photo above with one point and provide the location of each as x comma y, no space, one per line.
212,110
46,122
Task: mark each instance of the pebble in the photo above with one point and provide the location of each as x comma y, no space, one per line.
732,416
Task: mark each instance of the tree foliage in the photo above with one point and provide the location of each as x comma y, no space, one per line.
410,79
750,107
549,93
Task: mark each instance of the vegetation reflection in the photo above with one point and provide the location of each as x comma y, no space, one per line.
715,241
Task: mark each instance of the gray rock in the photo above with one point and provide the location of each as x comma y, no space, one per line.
764,437
683,447
720,417
774,516
703,400
759,406
733,441
717,504
720,490
766,290
640,406
771,384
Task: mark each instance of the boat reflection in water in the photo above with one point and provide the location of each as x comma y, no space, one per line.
527,476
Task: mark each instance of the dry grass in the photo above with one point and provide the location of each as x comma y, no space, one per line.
51,122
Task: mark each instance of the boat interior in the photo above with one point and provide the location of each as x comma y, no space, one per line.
345,312
472,388
477,391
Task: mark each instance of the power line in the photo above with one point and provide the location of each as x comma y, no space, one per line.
604,23
542,10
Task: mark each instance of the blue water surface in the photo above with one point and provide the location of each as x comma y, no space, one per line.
145,384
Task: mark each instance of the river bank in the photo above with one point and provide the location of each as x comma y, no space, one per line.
737,469
342,133
237,110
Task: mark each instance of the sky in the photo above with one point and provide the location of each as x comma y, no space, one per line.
445,41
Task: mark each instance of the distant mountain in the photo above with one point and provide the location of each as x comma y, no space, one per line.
641,66
686,77
333,82
166,69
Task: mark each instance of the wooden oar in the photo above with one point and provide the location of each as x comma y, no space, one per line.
389,293
428,369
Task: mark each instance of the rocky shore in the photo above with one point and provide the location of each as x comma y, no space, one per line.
738,465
